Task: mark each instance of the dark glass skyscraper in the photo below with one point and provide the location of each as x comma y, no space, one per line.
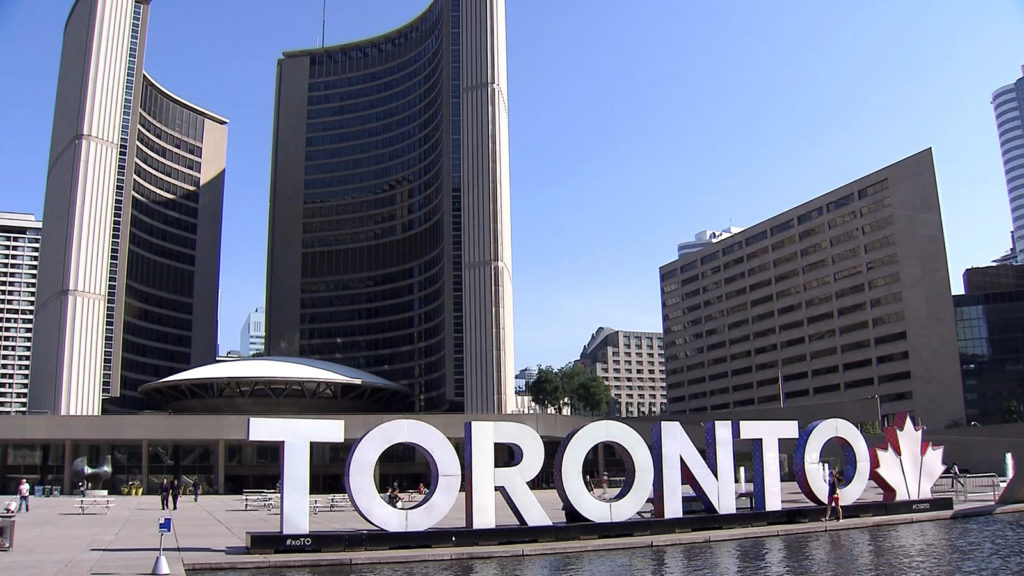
389,224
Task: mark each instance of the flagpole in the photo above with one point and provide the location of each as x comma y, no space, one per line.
782,396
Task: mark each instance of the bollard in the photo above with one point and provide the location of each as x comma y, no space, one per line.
160,565
743,479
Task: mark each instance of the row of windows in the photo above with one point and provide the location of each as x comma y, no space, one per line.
418,39
403,74
171,140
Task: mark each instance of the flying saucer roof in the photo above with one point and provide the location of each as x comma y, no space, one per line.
265,383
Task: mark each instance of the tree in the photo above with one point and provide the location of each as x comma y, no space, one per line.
569,387
1011,412
547,389
587,393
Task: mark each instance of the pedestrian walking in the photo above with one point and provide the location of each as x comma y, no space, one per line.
197,489
23,490
833,497
604,485
175,492
165,494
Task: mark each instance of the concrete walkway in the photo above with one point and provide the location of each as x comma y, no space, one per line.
54,538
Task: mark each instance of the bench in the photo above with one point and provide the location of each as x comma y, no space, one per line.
259,499
339,501
85,503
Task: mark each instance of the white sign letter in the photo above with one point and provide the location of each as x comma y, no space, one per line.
445,476
767,479
482,478
296,434
569,471
672,444
807,458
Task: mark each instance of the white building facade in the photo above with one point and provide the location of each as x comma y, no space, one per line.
251,340
19,265
1008,104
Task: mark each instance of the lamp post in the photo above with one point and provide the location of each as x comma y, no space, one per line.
878,409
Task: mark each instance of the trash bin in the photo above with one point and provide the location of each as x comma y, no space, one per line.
37,491
55,490
47,491
6,532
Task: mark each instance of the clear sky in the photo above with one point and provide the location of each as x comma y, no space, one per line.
633,125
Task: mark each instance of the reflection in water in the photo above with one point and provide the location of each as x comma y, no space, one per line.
987,544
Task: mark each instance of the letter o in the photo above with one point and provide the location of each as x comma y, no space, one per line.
445,476
569,471
856,458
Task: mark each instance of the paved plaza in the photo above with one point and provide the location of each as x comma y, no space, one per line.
54,538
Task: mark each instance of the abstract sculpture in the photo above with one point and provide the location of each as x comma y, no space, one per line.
80,470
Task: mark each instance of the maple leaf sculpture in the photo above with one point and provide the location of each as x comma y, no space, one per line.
905,467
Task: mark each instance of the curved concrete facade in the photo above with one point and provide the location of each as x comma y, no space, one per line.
128,277
1008,103
385,254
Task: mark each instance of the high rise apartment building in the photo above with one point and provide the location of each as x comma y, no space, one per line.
251,340
129,268
843,297
1008,103
390,247
632,364
19,267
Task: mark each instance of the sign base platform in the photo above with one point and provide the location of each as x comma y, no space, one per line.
356,541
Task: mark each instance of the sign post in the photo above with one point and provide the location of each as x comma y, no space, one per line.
160,566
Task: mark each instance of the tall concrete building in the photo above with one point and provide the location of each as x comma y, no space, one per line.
632,364
1008,103
131,252
845,297
19,268
390,247
251,340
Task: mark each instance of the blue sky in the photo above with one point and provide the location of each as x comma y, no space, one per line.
632,127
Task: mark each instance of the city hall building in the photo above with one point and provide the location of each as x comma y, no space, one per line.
842,298
390,247
130,259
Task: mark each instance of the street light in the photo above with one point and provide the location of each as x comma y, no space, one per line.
878,408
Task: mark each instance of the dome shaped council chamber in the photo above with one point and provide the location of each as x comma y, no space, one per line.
277,385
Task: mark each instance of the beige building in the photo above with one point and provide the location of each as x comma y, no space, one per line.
130,258
19,267
632,364
842,298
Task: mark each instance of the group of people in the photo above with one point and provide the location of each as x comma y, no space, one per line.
394,495
171,491
603,483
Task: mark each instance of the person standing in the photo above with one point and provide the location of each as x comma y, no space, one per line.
833,497
23,489
604,485
165,494
197,489
175,491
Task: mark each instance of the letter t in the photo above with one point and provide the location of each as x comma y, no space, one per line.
296,433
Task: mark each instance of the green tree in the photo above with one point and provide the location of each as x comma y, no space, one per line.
547,389
569,387
587,393
1011,412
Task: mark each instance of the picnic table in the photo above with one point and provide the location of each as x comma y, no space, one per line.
84,504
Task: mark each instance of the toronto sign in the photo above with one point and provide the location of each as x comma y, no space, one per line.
904,467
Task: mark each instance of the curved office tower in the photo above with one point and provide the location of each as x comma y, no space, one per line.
170,282
1008,103
389,244
127,288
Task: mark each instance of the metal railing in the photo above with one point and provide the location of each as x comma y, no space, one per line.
964,486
